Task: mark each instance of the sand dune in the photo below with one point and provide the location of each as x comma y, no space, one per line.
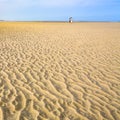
59,71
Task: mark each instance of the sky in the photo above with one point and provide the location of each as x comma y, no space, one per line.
60,10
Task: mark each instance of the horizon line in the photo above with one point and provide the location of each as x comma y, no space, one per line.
57,21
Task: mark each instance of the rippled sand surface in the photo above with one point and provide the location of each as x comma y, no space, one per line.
59,71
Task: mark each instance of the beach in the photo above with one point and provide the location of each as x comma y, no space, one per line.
59,71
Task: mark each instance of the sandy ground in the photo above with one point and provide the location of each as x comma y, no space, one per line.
59,71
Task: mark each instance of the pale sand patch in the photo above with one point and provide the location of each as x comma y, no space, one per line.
59,71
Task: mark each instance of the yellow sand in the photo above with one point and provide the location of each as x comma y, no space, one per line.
59,71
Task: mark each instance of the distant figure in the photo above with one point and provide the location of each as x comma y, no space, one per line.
70,20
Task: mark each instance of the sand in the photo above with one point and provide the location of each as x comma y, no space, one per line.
59,71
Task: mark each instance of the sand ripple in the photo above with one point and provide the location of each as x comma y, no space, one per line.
59,71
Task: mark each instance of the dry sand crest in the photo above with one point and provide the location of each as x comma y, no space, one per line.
59,71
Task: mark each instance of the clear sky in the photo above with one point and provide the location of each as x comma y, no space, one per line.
60,10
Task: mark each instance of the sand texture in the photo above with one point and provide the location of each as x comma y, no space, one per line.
59,71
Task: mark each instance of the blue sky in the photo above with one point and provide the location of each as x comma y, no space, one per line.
60,10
